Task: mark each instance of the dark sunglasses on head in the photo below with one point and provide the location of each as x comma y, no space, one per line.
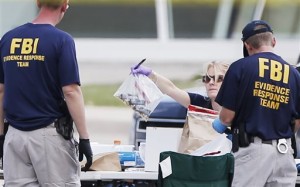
206,79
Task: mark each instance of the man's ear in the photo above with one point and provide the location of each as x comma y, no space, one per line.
38,3
64,7
273,42
248,46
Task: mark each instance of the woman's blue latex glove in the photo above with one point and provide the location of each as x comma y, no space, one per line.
298,167
219,126
135,70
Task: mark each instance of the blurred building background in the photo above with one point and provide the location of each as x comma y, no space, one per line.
165,31
176,36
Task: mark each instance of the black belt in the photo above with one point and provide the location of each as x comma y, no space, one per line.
262,141
281,144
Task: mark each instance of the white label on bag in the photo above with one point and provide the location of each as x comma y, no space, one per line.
166,167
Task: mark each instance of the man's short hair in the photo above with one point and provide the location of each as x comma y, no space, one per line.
51,3
260,39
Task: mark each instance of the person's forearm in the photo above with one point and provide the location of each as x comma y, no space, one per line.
75,105
168,87
226,116
297,125
164,84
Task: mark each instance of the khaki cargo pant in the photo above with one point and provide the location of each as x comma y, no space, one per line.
262,165
40,158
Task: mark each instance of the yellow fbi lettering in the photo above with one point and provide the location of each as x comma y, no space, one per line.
271,96
269,104
23,64
27,45
278,71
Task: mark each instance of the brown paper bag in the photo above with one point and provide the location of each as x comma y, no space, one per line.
109,161
197,129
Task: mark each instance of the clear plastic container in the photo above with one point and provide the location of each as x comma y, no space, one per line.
104,148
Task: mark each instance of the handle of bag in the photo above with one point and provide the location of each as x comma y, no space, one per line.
201,109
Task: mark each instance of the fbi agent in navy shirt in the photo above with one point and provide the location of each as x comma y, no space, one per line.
260,99
38,71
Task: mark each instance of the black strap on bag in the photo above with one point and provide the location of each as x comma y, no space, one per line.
293,139
64,125
239,136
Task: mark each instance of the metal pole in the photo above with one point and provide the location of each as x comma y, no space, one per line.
223,19
162,20
259,9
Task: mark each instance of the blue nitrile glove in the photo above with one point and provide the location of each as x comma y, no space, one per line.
229,137
141,70
219,126
298,167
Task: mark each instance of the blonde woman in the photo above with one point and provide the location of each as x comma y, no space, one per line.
212,79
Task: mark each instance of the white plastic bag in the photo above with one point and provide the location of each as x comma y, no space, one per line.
140,93
219,146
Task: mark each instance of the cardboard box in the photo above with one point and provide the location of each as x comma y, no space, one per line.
159,139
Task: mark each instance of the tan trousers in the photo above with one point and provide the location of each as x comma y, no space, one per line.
261,165
40,158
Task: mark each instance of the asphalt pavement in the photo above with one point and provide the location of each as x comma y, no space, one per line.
106,124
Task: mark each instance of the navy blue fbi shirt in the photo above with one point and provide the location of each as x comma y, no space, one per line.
264,92
37,60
